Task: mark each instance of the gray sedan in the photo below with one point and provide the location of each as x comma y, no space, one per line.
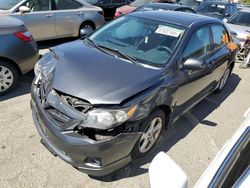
50,19
19,53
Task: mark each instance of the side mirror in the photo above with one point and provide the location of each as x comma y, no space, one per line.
225,20
164,172
194,64
24,9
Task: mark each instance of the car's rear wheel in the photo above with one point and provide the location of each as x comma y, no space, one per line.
151,131
86,28
223,80
8,77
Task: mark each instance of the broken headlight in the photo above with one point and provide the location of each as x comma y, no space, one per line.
106,119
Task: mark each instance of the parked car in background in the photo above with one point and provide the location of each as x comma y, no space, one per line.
240,24
217,9
194,4
50,19
18,52
136,4
165,6
100,102
230,167
109,6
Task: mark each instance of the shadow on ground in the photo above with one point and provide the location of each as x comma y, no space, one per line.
177,132
22,88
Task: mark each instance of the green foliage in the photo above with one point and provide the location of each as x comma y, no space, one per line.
245,1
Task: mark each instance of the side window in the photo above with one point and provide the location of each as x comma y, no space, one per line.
39,5
220,36
198,45
67,4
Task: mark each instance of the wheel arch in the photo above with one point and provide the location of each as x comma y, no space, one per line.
87,22
13,63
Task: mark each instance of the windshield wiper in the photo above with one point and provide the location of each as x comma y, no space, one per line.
95,45
130,58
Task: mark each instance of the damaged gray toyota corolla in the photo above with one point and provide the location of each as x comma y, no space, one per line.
101,101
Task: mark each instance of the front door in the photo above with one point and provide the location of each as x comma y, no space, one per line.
192,85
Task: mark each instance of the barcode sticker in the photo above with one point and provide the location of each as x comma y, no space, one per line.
169,31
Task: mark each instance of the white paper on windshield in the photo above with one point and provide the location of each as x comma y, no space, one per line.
221,6
169,31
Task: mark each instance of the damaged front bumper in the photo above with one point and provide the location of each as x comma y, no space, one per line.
93,157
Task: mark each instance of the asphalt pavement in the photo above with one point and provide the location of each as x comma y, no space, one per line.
192,142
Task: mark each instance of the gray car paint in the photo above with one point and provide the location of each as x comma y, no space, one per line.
83,71
54,24
22,54
99,90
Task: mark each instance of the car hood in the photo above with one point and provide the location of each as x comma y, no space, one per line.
87,73
240,30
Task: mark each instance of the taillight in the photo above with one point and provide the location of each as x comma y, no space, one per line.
25,36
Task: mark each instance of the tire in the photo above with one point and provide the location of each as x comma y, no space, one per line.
223,80
86,28
156,118
8,77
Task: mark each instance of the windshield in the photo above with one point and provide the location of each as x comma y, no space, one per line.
139,3
194,4
8,4
147,41
217,9
240,18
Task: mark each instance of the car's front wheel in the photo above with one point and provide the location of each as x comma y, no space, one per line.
151,132
8,77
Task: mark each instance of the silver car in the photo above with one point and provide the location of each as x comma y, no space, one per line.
50,19
239,23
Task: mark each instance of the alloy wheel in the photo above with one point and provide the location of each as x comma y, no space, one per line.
86,29
150,135
224,79
6,78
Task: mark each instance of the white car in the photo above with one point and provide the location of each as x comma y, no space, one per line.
230,167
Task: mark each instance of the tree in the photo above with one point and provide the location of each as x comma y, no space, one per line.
245,1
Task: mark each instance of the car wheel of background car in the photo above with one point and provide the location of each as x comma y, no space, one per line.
8,77
223,80
86,28
151,131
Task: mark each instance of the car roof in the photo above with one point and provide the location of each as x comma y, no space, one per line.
170,6
175,17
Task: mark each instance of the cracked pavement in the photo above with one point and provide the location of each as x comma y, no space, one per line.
192,142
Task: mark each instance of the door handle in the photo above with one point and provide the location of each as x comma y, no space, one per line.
79,13
49,15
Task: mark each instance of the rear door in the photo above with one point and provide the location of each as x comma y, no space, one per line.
221,54
69,15
40,21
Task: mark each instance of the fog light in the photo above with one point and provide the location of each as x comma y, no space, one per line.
93,162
